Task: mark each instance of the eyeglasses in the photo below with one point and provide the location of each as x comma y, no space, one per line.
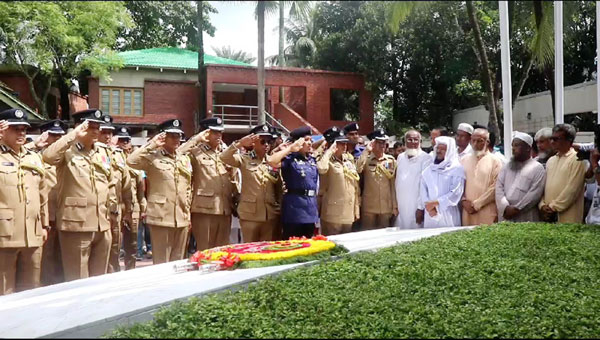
264,141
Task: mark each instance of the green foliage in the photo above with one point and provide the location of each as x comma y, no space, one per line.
503,281
55,41
164,24
229,53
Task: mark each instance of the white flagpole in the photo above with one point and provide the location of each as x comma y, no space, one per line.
558,63
506,83
597,62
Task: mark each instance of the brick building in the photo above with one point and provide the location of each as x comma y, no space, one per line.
158,84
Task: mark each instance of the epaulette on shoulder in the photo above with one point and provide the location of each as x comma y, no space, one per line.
4,148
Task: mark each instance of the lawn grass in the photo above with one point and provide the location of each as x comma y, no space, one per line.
508,280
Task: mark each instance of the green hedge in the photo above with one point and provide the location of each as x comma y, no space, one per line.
507,280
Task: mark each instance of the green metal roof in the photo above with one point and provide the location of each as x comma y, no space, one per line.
172,57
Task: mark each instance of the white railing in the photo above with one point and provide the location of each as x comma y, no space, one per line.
247,119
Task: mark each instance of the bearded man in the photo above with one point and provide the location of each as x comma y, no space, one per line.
481,170
411,164
520,184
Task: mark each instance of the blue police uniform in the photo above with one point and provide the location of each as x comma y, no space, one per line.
299,204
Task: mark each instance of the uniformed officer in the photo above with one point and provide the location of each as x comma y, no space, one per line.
258,208
120,195
52,269
130,223
379,194
213,187
354,147
299,171
340,206
169,176
84,177
329,136
24,212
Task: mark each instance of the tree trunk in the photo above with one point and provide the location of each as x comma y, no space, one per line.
522,81
261,62
64,99
281,43
41,102
485,70
201,84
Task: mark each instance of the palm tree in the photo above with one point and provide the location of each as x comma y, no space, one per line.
228,53
262,8
300,33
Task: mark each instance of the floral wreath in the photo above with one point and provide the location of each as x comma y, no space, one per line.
227,257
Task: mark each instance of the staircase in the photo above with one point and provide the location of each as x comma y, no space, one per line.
242,118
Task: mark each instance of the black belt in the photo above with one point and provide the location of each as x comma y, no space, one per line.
302,192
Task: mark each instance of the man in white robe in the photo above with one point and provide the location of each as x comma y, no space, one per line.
520,184
410,165
442,186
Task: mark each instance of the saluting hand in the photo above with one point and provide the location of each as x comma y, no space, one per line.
248,141
202,136
370,146
42,141
159,140
81,130
114,140
297,145
3,125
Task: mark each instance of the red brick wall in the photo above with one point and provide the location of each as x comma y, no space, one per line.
163,100
317,83
19,84
93,93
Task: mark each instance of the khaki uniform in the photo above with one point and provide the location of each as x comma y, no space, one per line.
138,206
120,203
379,194
23,214
258,209
168,204
212,195
341,200
82,218
52,269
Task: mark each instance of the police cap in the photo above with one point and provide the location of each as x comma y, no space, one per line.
14,117
261,130
107,125
56,127
171,125
92,115
122,133
213,123
300,132
351,127
377,134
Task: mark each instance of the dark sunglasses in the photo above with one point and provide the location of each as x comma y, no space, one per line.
264,141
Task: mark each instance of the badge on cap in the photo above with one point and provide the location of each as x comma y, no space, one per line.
19,114
357,126
56,124
176,123
334,129
219,121
107,119
265,128
97,114
123,130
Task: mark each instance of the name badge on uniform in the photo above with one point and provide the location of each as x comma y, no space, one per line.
8,164
78,158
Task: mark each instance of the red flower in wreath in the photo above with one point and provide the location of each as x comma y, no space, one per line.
319,238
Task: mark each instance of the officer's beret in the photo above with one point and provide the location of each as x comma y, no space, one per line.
300,132
261,130
92,115
14,117
377,134
107,125
330,133
171,125
56,126
351,127
213,123
122,133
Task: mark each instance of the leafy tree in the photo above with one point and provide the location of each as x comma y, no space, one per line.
229,53
164,23
300,33
52,42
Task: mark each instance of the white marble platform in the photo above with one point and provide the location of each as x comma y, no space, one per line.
90,307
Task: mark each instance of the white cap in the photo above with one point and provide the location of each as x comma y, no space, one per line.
524,137
466,128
